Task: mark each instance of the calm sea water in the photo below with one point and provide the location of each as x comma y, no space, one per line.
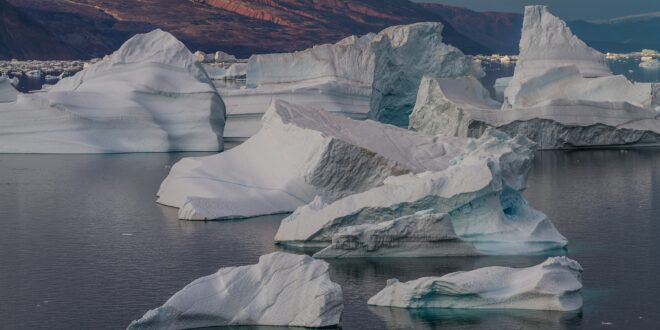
83,245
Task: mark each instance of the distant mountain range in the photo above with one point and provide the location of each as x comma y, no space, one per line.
64,29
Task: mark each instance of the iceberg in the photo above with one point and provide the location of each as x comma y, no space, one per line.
422,234
281,290
7,91
653,64
554,285
373,76
299,153
221,56
500,86
480,191
148,96
559,100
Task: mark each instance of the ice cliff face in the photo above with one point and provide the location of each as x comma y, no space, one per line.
480,190
375,75
552,285
281,290
300,153
422,234
148,96
559,97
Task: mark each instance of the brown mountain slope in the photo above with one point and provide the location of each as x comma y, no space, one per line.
497,31
23,38
241,27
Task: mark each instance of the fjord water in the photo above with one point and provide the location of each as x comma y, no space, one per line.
83,245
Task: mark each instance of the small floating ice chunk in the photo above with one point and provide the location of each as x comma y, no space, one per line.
281,290
552,285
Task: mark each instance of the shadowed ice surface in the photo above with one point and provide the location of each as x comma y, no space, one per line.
83,245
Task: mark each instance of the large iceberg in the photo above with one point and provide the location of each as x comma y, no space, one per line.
552,285
300,153
281,290
422,234
375,75
148,96
559,99
480,190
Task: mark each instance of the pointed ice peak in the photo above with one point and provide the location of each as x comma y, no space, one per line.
546,42
158,48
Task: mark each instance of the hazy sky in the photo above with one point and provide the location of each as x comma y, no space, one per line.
566,9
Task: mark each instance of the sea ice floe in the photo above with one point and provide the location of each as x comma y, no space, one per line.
148,96
281,290
552,285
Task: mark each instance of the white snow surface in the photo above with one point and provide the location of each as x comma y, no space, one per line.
422,234
554,284
480,190
148,96
281,290
300,153
375,75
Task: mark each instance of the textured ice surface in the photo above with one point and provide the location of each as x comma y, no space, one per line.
375,75
300,153
480,190
552,285
422,234
148,96
281,290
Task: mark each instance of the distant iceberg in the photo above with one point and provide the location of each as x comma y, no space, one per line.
281,290
653,64
552,285
149,96
561,96
373,76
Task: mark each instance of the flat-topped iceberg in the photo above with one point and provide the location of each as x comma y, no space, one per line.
480,190
300,153
375,75
560,99
422,234
148,96
552,285
281,290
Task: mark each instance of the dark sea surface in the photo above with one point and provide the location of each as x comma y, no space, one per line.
83,245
